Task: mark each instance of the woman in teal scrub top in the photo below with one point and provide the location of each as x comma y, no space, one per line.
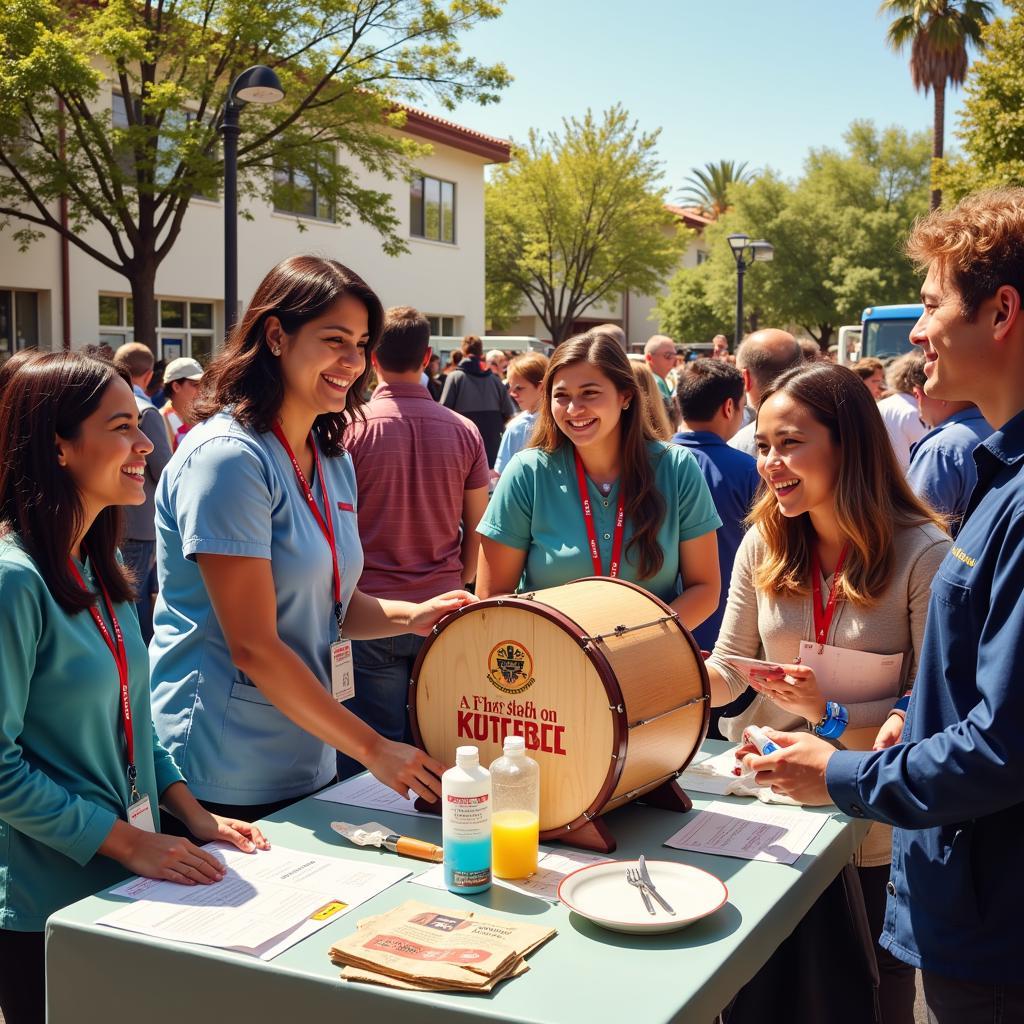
648,515
79,761
258,557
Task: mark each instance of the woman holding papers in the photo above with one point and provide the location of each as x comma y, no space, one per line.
258,557
831,583
597,494
79,762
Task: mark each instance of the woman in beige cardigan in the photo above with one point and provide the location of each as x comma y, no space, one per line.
834,505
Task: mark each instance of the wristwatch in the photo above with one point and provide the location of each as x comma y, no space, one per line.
834,722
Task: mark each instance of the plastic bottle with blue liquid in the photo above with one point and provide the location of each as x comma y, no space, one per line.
466,823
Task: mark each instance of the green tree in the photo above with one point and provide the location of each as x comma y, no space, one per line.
346,66
939,33
577,217
837,234
707,187
991,128
684,311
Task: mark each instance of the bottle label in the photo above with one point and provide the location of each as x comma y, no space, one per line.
468,879
467,817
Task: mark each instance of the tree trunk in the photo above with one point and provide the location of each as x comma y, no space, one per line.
824,338
143,282
938,132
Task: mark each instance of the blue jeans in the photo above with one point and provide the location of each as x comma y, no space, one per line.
382,671
140,557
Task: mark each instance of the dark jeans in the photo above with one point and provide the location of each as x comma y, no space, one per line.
897,982
22,977
140,557
952,1001
383,668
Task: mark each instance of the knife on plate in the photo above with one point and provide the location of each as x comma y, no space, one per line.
646,876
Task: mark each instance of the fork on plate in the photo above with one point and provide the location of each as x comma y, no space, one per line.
633,877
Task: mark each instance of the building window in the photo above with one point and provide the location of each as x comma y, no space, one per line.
442,326
184,328
296,192
702,256
432,209
19,321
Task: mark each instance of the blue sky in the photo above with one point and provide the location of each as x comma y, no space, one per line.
755,80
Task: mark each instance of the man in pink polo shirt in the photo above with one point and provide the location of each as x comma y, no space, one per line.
421,472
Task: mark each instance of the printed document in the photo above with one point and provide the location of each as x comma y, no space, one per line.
750,831
267,901
846,675
366,791
552,867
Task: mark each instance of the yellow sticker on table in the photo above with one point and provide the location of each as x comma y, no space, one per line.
328,910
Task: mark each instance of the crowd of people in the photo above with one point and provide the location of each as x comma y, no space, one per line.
195,569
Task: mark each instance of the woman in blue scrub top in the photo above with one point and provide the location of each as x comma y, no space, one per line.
79,761
652,516
258,556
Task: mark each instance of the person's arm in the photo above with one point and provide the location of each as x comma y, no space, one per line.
499,570
153,425
935,476
243,597
369,618
450,393
474,504
702,580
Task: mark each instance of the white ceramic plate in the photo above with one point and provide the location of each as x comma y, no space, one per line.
601,894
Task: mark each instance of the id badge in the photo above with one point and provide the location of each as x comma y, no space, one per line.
140,815
343,681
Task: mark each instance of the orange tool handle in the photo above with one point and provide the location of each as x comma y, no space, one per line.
409,847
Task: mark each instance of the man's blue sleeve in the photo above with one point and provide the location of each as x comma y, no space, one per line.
936,476
975,766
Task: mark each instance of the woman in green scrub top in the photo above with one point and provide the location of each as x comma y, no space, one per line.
258,557
649,518
80,764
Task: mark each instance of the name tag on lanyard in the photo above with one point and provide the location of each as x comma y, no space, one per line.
343,682
140,815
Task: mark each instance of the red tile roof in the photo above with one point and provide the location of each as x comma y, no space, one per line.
448,133
691,216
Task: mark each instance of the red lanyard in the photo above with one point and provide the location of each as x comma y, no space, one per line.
588,518
823,616
326,525
116,646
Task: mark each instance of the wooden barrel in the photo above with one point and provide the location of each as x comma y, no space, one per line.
601,679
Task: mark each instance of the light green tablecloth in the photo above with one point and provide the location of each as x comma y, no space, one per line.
584,974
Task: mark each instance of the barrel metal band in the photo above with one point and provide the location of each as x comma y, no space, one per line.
671,711
623,630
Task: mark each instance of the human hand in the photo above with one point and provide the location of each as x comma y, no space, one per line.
794,688
891,732
154,855
212,827
429,613
403,767
797,770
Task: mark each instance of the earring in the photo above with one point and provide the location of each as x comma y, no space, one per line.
276,351
625,407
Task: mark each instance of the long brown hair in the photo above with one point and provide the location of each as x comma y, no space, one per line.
246,378
654,405
645,507
45,396
872,498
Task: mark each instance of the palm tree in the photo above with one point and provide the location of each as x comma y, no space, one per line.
939,33
707,186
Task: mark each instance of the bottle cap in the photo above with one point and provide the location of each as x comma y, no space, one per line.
467,755
515,745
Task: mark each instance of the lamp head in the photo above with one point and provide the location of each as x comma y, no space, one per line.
762,250
257,84
738,242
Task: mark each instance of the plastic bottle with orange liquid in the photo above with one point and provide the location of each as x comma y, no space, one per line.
515,801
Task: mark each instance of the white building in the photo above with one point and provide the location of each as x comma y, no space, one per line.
54,295
632,312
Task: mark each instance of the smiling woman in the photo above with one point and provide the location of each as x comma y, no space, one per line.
258,555
78,804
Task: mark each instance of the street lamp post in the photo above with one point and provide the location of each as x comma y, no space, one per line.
257,84
745,252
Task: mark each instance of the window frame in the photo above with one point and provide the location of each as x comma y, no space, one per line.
419,218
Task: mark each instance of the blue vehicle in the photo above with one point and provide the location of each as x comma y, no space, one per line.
885,330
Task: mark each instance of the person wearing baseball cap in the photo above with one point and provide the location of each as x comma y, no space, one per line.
181,381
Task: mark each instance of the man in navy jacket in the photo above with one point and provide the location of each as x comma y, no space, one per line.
954,787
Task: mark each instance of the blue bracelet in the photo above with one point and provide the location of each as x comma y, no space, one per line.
834,724
902,704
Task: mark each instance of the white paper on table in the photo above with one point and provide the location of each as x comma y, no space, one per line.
552,867
749,831
265,903
853,676
714,774
366,791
